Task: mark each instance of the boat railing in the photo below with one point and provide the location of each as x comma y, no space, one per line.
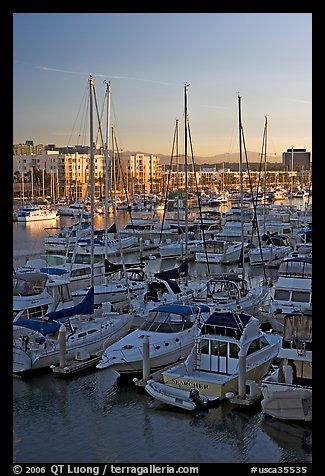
222,330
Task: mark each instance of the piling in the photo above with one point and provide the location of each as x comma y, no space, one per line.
146,358
63,345
241,375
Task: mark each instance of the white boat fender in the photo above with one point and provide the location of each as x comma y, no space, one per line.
230,395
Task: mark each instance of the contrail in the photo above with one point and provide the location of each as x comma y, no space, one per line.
301,101
57,70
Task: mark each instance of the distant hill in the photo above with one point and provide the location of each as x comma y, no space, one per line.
253,157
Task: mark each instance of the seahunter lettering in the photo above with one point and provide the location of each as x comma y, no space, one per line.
187,383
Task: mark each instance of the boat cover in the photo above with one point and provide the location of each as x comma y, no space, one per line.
226,323
174,273
54,271
182,309
86,306
43,327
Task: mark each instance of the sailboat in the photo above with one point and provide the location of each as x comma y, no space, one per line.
83,328
118,292
182,247
40,343
231,291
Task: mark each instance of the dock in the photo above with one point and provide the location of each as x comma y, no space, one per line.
76,366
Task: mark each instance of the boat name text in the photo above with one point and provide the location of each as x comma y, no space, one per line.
187,383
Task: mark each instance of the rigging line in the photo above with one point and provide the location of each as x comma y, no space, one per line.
198,198
83,102
168,180
117,227
78,232
254,204
259,178
233,137
120,168
99,118
114,142
116,127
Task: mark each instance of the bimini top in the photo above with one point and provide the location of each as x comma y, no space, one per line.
226,323
299,266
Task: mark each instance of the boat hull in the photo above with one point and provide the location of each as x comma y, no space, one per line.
212,385
41,357
174,396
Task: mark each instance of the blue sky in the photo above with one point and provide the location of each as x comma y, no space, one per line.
148,57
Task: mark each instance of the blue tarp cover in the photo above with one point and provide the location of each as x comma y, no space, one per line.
174,273
226,323
182,309
86,306
39,325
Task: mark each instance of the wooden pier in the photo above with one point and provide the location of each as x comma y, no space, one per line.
76,366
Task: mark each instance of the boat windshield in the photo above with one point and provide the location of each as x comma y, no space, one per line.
29,284
166,322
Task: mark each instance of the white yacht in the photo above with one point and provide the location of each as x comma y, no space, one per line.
77,269
219,251
230,291
34,213
35,294
170,328
63,239
292,290
274,248
230,354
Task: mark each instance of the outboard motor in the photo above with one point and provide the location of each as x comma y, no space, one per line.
195,397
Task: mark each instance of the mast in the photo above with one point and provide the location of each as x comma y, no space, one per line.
22,183
177,179
92,183
43,188
115,218
108,92
32,180
265,162
291,171
241,175
186,171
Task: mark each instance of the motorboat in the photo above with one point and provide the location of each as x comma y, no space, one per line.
170,329
185,399
230,352
82,330
77,268
35,294
175,249
220,251
34,213
275,247
230,291
287,390
63,239
292,291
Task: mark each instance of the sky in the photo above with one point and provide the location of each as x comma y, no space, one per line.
265,58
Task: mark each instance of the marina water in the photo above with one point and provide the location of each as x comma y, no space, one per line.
96,418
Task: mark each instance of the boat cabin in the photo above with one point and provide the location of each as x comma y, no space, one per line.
218,347
172,317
